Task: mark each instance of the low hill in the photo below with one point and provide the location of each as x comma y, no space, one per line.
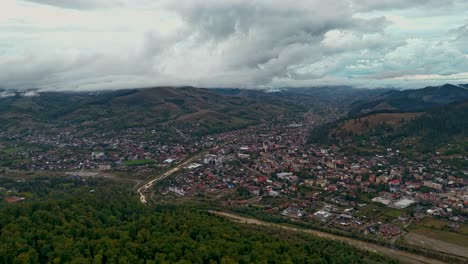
188,107
439,125
410,100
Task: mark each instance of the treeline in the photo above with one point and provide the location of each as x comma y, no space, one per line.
109,225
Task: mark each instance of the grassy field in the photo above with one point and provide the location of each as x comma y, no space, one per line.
12,150
393,213
432,223
369,211
463,229
437,229
138,162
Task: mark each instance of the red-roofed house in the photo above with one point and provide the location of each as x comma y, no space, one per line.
14,199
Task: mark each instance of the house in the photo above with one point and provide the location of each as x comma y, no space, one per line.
194,166
243,156
394,185
294,178
104,167
273,193
381,179
254,190
261,179
169,161
389,230
358,178
284,175
14,199
97,155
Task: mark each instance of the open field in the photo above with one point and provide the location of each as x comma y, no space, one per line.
393,213
369,211
447,236
12,150
436,229
435,244
138,162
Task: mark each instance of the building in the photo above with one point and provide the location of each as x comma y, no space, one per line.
104,167
169,161
322,215
403,203
14,199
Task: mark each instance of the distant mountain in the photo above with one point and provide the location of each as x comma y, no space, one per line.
410,100
329,93
337,93
315,98
185,107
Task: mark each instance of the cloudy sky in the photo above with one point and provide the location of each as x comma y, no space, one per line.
109,44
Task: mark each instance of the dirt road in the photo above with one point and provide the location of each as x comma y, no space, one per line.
402,256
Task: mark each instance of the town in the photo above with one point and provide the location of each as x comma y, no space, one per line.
275,170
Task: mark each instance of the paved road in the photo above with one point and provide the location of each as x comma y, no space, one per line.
403,256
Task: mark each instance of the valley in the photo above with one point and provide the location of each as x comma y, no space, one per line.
233,132
363,178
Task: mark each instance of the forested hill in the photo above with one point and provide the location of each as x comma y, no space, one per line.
417,100
185,107
432,129
439,125
61,221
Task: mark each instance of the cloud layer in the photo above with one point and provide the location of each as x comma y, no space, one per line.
111,44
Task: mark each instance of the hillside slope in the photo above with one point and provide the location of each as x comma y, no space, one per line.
443,124
428,130
410,100
428,117
186,107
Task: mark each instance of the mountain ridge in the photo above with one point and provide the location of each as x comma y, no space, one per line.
416,100
136,108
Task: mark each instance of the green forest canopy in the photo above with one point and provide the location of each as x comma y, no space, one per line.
63,222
